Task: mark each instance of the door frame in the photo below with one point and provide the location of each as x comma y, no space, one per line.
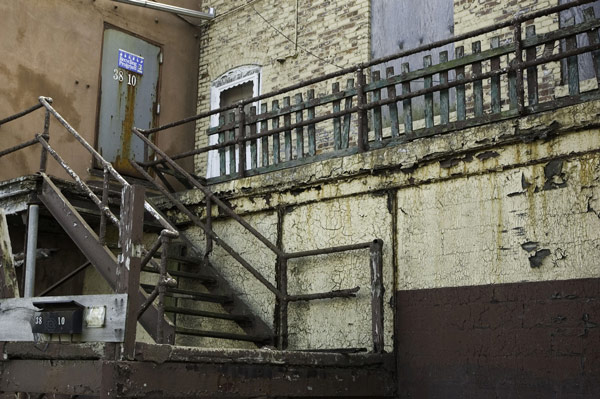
95,167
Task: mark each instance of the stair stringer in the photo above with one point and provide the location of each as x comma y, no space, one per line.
99,255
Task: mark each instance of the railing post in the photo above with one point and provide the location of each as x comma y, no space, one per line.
128,272
376,258
46,135
282,342
242,144
209,240
517,33
363,133
162,288
105,185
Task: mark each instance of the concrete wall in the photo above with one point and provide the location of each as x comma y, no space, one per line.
336,33
53,48
490,253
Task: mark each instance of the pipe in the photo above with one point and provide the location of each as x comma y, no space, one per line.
32,235
169,8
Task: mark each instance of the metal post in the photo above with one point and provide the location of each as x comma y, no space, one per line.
162,289
376,255
209,240
242,143
46,135
128,272
518,65
283,303
32,236
363,133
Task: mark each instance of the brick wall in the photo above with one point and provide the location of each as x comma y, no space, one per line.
337,33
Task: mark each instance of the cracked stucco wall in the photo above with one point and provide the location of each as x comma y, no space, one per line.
344,322
508,202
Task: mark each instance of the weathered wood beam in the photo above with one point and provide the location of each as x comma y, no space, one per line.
9,287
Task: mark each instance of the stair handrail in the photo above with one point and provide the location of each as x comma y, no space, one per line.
167,233
107,166
281,293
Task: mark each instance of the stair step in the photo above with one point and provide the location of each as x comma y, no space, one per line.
204,279
202,313
222,335
187,294
182,259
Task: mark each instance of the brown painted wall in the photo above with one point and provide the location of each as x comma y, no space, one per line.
525,340
54,48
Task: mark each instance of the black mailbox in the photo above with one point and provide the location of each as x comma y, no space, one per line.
57,318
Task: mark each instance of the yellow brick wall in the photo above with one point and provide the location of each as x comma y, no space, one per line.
336,32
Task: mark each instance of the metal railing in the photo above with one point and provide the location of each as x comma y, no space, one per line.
101,201
282,296
469,90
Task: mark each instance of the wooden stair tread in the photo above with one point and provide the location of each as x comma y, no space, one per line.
205,279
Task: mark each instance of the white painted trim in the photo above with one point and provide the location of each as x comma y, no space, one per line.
231,78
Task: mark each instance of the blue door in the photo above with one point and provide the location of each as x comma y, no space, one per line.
130,72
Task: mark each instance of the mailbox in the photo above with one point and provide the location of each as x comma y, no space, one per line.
57,318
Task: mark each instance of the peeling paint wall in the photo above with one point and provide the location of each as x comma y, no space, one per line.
511,202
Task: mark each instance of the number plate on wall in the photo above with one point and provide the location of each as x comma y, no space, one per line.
57,318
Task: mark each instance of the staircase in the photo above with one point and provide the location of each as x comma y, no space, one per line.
200,294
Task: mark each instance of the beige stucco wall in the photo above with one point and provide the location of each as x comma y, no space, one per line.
337,33
53,48
509,202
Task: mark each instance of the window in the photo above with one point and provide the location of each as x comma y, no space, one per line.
231,87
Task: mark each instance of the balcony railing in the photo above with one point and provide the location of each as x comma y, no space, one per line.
522,72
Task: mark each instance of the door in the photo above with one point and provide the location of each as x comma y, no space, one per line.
130,72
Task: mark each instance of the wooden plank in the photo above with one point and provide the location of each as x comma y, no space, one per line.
407,104
348,117
231,137
478,84
589,16
299,130
287,121
221,139
310,114
393,108
242,146
428,97
512,87
444,93
377,122
377,312
253,153
461,108
9,286
495,89
572,63
532,76
16,315
264,126
337,127
276,136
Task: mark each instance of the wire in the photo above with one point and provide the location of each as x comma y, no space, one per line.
218,16
294,42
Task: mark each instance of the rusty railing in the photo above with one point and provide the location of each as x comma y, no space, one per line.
101,201
484,86
282,296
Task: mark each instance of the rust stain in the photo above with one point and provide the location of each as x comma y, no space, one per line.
122,160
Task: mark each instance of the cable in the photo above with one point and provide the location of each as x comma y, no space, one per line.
218,16
294,42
